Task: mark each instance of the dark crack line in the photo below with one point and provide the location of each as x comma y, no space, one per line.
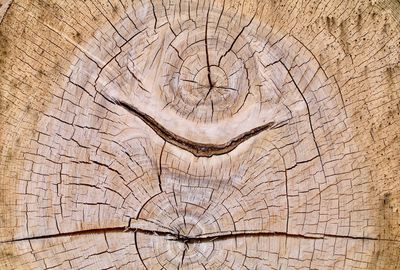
220,16
309,115
326,76
160,168
144,204
208,57
235,40
197,149
6,11
154,14
74,233
197,239
138,252
184,253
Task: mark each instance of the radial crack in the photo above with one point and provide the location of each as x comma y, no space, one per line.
211,85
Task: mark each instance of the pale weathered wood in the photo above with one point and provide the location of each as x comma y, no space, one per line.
199,134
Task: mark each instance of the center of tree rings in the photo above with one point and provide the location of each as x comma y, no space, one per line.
203,78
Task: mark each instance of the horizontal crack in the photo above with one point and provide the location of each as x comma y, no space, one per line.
197,239
216,237
197,149
73,233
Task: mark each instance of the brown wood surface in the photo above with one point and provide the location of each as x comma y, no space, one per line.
193,134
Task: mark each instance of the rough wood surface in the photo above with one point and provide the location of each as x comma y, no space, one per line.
199,134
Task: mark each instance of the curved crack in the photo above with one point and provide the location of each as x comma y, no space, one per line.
197,149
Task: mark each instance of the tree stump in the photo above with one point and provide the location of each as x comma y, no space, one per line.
154,134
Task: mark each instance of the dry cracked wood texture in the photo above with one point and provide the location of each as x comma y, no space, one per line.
162,134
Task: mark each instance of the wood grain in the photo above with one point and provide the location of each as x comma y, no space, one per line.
186,134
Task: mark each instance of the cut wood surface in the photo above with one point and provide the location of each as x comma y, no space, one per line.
203,134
